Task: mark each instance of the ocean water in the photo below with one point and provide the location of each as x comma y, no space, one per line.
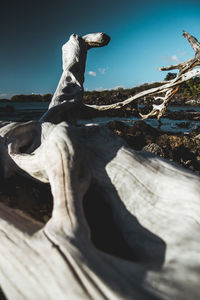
26,106
165,125
34,110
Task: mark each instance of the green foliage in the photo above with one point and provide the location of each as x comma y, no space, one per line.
46,97
191,87
187,89
111,96
170,76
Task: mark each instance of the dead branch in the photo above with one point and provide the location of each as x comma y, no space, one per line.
186,72
161,89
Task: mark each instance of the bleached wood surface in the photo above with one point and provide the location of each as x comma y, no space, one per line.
155,204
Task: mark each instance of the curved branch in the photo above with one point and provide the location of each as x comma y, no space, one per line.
161,89
181,66
170,88
193,42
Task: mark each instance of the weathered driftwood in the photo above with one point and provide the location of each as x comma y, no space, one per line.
74,53
186,72
155,205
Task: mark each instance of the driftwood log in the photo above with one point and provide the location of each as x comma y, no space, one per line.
155,205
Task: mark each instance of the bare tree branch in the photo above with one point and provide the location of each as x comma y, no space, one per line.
193,42
186,72
161,89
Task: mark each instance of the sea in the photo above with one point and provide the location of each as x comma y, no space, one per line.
23,111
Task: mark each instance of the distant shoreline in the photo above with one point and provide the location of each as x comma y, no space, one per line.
187,95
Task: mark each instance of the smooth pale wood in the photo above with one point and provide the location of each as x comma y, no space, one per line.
155,204
74,53
159,224
42,266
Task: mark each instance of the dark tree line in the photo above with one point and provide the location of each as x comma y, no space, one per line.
32,98
187,89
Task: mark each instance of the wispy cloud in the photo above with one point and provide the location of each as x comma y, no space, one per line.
99,89
118,87
182,53
92,73
3,95
173,58
102,70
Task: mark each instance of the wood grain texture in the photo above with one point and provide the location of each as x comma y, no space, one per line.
155,205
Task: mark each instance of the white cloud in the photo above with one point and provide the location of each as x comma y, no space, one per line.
99,89
102,70
182,53
92,73
173,58
3,95
118,87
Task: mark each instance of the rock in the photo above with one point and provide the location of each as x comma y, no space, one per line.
154,148
181,148
183,125
138,135
192,102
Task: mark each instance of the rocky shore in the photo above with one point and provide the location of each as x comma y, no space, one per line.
183,149
35,198
180,148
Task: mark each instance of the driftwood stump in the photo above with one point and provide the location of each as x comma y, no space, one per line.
155,205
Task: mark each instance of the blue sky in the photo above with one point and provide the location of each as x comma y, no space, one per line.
144,34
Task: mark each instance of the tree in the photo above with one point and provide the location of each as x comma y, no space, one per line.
170,76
